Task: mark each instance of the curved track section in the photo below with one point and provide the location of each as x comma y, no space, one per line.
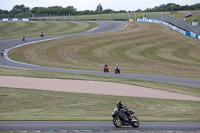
105,26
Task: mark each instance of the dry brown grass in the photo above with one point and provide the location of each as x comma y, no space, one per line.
140,48
15,29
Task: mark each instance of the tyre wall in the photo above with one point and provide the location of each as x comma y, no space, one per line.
14,19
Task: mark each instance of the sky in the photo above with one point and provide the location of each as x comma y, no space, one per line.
81,5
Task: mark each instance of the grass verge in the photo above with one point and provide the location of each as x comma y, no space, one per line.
59,75
27,104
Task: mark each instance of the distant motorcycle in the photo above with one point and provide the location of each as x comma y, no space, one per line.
117,71
23,38
42,34
2,51
121,118
106,68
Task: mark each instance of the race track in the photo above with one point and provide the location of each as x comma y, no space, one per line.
89,126
105,26
95,126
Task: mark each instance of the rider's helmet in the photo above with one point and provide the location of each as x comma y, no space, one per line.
119,104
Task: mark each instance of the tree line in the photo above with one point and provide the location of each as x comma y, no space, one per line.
70,10
173,7
57,10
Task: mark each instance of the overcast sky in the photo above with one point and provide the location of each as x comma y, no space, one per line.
92,4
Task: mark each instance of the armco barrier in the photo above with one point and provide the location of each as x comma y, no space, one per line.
186,33
14,19
174,21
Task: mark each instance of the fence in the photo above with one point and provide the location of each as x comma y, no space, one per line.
186,33
111,16
175,21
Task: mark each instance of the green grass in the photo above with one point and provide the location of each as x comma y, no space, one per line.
105,16
140,48
60,75
10,30
27,104
181,14
109,16
191,19
162,52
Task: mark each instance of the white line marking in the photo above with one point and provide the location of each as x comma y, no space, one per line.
94,28
17,67
7,50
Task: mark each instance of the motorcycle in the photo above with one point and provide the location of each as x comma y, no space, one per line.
117,71
24,37
120,118
106,68
42,34
2,52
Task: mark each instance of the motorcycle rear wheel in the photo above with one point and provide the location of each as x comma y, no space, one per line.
117,122
136,124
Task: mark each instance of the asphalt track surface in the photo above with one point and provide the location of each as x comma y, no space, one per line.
94,126
52,126
105,26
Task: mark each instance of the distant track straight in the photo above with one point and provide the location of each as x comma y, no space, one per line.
105,26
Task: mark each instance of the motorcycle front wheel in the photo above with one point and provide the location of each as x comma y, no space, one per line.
117,122
136,123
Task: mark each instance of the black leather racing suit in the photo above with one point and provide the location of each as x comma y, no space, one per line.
123,112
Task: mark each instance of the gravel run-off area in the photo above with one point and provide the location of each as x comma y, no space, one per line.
90,87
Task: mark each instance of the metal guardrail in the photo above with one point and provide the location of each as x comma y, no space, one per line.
175,21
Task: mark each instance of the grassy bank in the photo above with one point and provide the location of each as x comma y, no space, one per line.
141,48
10,30
191,19
27,104
105,16
179,14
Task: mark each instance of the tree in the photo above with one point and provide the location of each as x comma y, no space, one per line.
71,10
106,11
99,8
122,11
3,11
39,10
139,10
19,9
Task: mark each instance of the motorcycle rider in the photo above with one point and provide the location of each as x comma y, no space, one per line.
23,39
2,51
124,110
106,68
117,67
42,34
